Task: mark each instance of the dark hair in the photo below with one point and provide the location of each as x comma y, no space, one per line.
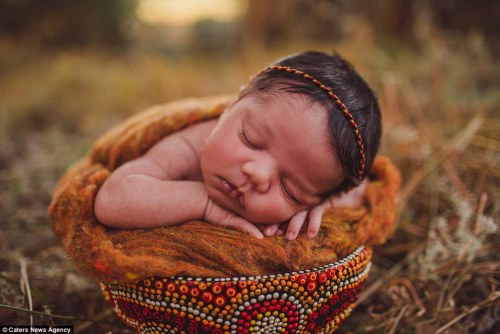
351,89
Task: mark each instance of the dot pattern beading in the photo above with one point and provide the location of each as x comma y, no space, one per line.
309,301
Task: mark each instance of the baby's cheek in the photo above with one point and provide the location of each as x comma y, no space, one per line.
269,212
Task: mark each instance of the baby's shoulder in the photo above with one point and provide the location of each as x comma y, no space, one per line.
197,133
180,151
193,136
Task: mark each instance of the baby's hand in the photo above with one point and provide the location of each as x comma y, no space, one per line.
292,227
314,215
217,215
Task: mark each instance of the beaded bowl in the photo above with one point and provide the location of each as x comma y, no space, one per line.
144,273
309,301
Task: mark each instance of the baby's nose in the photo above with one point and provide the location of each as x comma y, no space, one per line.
259,175
261,186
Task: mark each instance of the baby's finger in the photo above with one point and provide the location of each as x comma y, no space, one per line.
249,228
315,217
238,223
295,224
271,230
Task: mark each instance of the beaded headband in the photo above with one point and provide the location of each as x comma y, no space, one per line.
343,108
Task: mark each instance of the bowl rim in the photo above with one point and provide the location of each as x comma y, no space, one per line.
210,280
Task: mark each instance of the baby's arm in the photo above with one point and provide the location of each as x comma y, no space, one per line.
313,216
155,190
139,195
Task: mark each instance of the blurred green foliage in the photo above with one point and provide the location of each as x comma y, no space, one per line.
64,23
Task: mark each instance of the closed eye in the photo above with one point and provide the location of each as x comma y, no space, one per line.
244,138
288,194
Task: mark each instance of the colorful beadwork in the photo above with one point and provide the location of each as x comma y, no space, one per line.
309,301
340,104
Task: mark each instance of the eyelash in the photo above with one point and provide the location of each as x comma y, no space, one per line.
247,141
288,194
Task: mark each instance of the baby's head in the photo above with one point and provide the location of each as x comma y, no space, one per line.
302,129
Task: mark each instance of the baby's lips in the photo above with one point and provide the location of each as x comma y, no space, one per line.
226,186
233,192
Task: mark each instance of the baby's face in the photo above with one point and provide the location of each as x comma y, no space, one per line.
270,158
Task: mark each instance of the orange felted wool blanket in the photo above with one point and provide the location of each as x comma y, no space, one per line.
196,248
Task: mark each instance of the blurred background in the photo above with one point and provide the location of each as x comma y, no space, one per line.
70,70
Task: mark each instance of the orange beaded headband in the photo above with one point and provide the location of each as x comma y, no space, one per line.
339,103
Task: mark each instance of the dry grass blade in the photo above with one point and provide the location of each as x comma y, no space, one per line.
371,289
477,225
43,314
25,285
397,320
103,315
492,298
458,143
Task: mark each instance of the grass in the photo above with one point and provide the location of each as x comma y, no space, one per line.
438,274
